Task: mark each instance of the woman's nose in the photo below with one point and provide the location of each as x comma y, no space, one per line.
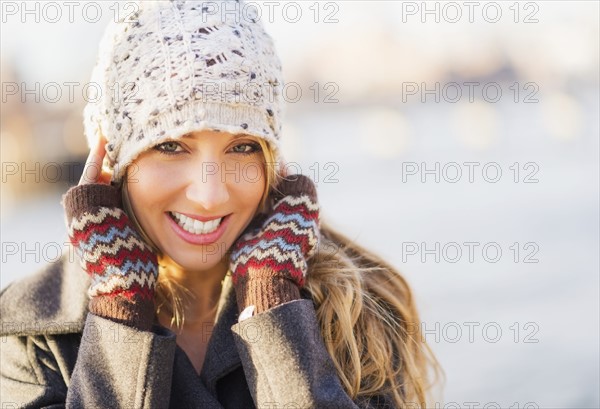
208,189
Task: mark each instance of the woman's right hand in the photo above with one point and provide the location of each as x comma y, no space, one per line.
122,267
93,171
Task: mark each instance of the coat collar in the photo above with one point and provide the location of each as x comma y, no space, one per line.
54,301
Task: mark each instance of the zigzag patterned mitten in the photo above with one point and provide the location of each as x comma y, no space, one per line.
122,267
269,264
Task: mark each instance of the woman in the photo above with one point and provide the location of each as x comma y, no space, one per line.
211,281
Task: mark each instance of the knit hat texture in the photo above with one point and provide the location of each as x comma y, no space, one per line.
174,67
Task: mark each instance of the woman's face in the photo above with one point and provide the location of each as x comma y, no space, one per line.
196,195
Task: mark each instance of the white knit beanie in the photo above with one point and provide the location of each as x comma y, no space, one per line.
178,67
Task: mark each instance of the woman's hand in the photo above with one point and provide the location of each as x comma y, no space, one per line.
269,263
122,267
92,171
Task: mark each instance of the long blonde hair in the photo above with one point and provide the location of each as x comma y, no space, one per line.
370,323
365,308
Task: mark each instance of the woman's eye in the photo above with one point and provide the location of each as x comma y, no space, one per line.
246,148
167,147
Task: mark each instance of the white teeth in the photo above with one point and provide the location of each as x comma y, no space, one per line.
196,226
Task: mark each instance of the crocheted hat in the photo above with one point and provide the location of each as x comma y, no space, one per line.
179,66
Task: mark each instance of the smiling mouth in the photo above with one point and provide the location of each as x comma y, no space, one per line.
195,226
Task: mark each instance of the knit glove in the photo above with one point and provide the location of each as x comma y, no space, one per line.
122,267
269,262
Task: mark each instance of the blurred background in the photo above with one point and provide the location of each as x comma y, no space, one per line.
459,141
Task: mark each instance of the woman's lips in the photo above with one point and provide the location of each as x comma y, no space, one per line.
201,218
198,239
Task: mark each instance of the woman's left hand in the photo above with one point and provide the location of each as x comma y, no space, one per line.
269,263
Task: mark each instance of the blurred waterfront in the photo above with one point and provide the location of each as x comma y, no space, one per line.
373,147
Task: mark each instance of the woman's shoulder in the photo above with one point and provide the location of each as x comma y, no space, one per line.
51,301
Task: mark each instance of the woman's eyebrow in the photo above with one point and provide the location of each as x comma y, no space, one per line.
242,135
233,138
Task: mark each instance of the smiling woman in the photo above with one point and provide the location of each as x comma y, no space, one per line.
211,279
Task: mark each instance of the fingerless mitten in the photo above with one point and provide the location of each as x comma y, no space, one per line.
122,267
269,263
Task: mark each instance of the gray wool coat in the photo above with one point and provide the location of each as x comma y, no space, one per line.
56,354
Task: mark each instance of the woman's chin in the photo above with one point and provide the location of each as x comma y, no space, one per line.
200,261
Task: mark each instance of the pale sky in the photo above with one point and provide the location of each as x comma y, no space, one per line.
65,51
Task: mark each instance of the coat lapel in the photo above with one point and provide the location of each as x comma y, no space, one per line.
53,301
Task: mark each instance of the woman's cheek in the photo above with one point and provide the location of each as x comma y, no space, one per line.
154,174
150,184
252,183
253,173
